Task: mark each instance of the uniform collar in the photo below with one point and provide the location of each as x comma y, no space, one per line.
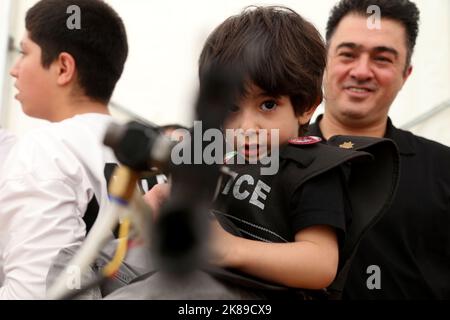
403,139
314,129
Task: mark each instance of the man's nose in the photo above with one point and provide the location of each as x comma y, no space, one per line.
361,71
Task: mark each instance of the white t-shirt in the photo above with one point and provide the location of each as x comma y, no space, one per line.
6,142
48,180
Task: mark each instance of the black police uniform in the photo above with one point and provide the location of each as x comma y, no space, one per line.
411,243
273,208
315,185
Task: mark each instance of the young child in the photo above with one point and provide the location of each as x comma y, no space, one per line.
284,227
54,176
288,233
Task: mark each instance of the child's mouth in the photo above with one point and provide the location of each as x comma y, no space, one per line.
251,151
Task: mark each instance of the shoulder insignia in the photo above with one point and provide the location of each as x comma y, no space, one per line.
306,140
347,145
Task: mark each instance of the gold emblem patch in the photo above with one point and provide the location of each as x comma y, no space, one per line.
347,145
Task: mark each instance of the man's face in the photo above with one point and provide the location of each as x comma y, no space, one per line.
365,70
33,81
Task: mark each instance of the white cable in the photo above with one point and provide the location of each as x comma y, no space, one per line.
95,241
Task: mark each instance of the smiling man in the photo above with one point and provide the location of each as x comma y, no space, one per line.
366,70
367,67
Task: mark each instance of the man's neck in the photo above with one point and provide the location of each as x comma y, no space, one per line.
331,127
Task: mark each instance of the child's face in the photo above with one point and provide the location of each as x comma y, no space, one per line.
259,111
33,81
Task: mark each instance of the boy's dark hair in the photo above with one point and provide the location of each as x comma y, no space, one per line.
99,47
273,48
403,11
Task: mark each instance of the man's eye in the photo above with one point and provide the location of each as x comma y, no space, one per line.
347,55
383,59
268,105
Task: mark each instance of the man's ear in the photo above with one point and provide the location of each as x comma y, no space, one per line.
407,73
66,68
306,116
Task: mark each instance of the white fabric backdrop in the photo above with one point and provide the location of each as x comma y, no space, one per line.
4,25
160,78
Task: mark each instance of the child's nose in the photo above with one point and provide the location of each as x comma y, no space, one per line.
248,121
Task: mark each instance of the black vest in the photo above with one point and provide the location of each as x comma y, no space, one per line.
371,168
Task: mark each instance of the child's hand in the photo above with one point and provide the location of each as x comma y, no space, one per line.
156,197
222,245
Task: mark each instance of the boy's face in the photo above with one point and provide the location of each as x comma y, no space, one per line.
256,112
33,81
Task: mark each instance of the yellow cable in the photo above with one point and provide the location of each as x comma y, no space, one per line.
111,268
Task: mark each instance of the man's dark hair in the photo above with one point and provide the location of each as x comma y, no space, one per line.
273,48
99,47
403,11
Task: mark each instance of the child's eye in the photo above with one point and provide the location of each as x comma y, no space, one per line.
234,108
268,105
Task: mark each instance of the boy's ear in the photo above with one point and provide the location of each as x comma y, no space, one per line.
306,116
66,68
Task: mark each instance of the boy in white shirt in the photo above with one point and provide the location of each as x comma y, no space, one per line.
7,140
54,175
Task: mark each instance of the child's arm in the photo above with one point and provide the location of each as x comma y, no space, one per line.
310,262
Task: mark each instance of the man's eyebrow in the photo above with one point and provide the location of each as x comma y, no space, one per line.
379,49
350,45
